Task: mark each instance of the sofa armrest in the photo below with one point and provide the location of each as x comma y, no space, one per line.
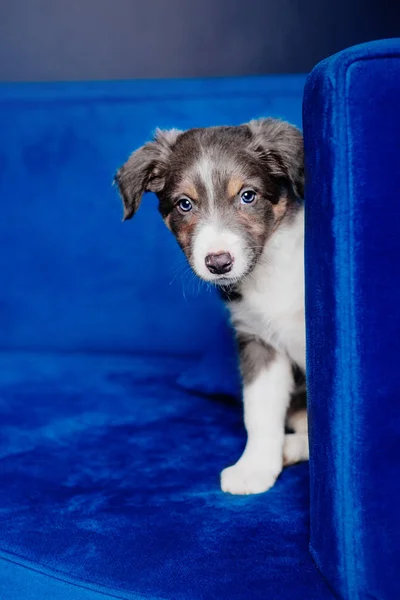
351,115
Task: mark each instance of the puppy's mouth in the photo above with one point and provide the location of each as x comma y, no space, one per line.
225,280
220,255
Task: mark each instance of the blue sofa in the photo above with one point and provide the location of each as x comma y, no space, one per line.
119,392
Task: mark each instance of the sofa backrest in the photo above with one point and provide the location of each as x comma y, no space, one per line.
72,275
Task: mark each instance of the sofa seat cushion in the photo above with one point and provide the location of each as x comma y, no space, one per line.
110,485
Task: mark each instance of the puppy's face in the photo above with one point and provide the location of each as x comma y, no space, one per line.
222,191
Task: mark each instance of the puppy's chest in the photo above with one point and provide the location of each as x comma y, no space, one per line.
272,307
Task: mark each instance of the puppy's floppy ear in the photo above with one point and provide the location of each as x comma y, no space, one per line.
145,170
280,145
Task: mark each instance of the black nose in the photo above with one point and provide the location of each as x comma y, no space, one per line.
219,263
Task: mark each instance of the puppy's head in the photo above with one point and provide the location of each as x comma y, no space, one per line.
222,190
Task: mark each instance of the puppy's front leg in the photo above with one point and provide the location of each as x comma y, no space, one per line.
268,383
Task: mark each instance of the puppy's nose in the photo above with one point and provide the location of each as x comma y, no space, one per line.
219,263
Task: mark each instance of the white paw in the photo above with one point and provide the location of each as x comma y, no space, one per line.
295,448
247,479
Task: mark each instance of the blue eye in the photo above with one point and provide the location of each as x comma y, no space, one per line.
185,205
248,197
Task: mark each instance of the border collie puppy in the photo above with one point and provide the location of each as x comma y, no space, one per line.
232,196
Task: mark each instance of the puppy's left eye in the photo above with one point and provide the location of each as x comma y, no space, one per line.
248,197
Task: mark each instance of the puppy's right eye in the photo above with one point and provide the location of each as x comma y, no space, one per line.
185,205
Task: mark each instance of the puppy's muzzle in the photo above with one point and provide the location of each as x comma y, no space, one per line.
219,263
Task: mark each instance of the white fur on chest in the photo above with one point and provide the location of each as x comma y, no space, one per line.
273,295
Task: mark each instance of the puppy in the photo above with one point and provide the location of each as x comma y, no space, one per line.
232,196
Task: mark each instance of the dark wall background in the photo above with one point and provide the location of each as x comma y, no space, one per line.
100,39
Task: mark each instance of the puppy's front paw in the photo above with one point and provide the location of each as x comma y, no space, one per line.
247,479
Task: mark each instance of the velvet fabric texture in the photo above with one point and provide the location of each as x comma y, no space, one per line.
118,379
352,142
110,482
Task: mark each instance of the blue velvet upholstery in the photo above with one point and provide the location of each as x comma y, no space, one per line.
115,420
352,141
118,385
110,477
